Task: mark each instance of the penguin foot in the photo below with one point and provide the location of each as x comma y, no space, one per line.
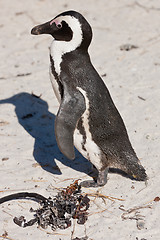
89,183
99,182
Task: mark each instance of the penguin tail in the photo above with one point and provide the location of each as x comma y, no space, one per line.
137,171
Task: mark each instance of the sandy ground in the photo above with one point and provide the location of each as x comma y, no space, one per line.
30,159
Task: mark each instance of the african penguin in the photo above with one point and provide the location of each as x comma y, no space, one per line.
87,117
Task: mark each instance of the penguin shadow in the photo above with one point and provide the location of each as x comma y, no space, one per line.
33,115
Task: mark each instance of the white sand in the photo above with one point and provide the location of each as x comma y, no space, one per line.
29,157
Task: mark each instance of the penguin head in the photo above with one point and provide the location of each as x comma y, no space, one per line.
69,27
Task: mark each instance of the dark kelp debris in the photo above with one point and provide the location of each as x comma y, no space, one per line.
127,47
55,212
83,238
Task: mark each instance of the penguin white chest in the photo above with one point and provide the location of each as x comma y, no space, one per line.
86,146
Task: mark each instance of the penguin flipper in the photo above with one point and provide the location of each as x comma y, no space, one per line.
71,109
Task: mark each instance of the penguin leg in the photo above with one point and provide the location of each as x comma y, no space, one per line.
100,181
102,177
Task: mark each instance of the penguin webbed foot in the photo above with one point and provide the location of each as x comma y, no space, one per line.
89,183
99,182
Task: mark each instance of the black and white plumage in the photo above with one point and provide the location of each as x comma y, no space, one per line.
87,117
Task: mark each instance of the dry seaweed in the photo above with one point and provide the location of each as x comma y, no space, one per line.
134,214
55,212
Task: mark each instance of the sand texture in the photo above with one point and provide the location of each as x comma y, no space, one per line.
30,159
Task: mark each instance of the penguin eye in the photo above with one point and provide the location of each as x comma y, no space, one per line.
59,25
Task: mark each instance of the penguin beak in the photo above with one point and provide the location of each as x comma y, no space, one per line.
45,28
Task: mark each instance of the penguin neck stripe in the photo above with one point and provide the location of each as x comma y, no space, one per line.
59,48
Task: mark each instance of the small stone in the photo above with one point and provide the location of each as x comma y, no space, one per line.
157,199
5,159
140,224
